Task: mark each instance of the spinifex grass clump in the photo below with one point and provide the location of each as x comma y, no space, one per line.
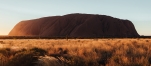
3,60
23,57
5,54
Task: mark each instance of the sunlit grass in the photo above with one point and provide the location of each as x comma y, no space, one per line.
79,52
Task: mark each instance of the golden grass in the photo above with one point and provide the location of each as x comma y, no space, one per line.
90,52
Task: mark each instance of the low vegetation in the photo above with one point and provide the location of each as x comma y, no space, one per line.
75,52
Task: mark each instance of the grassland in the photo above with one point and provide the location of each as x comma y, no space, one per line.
76,52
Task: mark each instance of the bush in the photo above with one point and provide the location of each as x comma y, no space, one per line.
41,52
5,51
3,60
26,57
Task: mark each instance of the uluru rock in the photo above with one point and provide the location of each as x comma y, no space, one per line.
75,25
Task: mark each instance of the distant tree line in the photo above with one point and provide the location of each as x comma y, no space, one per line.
65,37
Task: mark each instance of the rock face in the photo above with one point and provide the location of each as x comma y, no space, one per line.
75,25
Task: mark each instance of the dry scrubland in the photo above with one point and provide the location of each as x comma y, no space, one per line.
75,52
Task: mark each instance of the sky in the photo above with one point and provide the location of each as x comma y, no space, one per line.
14,11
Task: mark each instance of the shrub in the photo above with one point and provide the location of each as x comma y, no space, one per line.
39,50
26,57
3,60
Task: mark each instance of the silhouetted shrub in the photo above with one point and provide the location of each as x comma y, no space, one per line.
39,50
25,58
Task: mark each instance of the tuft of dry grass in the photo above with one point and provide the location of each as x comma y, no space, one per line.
77,52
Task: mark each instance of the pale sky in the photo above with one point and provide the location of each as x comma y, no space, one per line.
14,11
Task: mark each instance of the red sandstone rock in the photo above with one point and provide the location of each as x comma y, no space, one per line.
75,25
